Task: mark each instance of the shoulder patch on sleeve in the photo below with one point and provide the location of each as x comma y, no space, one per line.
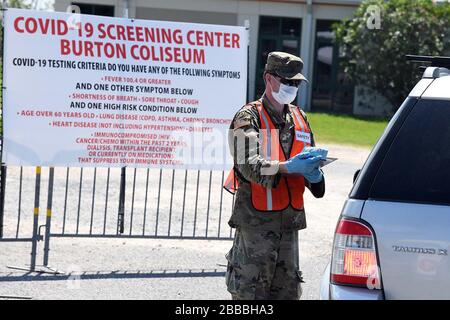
247,107
246,116
241,122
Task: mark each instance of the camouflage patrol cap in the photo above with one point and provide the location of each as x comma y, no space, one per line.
285,65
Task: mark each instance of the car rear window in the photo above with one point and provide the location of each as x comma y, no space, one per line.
417,165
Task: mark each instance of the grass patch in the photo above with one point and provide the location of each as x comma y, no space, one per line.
346,129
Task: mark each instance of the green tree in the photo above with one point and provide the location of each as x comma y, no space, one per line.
18,4
376,57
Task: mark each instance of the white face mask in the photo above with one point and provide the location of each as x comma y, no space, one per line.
286,94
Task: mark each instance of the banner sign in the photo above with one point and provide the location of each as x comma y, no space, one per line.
83,90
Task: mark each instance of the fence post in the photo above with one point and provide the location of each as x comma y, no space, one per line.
3,167
35,238
2,197
48,221
120,220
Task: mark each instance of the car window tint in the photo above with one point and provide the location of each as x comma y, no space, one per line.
417,166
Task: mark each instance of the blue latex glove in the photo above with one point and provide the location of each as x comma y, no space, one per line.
308,152
301,165
314,176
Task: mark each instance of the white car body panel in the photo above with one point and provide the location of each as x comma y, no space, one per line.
420,87
440,89
418,269
352,208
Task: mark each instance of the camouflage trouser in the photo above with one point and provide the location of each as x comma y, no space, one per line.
264,265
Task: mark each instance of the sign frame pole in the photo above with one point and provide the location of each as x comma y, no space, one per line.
123,170
3,168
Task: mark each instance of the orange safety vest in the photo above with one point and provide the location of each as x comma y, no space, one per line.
290,188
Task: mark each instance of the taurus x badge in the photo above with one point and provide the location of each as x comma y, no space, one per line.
439,252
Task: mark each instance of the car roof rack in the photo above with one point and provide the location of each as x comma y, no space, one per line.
436,67
434,61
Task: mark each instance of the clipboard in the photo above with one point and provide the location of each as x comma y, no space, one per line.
327,161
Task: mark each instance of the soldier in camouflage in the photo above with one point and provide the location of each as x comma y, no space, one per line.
263,262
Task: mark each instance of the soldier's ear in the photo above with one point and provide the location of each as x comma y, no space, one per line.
265,77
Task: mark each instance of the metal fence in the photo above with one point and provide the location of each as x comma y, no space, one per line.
112,203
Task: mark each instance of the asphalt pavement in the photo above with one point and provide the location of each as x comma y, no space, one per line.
161,268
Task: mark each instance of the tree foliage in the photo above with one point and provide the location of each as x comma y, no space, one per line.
376,57
18,4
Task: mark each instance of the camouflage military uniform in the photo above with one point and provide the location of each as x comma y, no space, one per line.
263,262
263,265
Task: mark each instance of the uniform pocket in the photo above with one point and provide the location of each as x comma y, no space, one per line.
241,279
241,287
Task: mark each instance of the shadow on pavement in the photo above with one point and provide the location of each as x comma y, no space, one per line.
98,275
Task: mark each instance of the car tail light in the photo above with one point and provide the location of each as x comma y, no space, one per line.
354,256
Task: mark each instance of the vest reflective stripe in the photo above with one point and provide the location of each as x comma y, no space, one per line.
290,189
231,183
299,119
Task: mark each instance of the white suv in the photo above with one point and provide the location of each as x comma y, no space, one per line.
392,240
